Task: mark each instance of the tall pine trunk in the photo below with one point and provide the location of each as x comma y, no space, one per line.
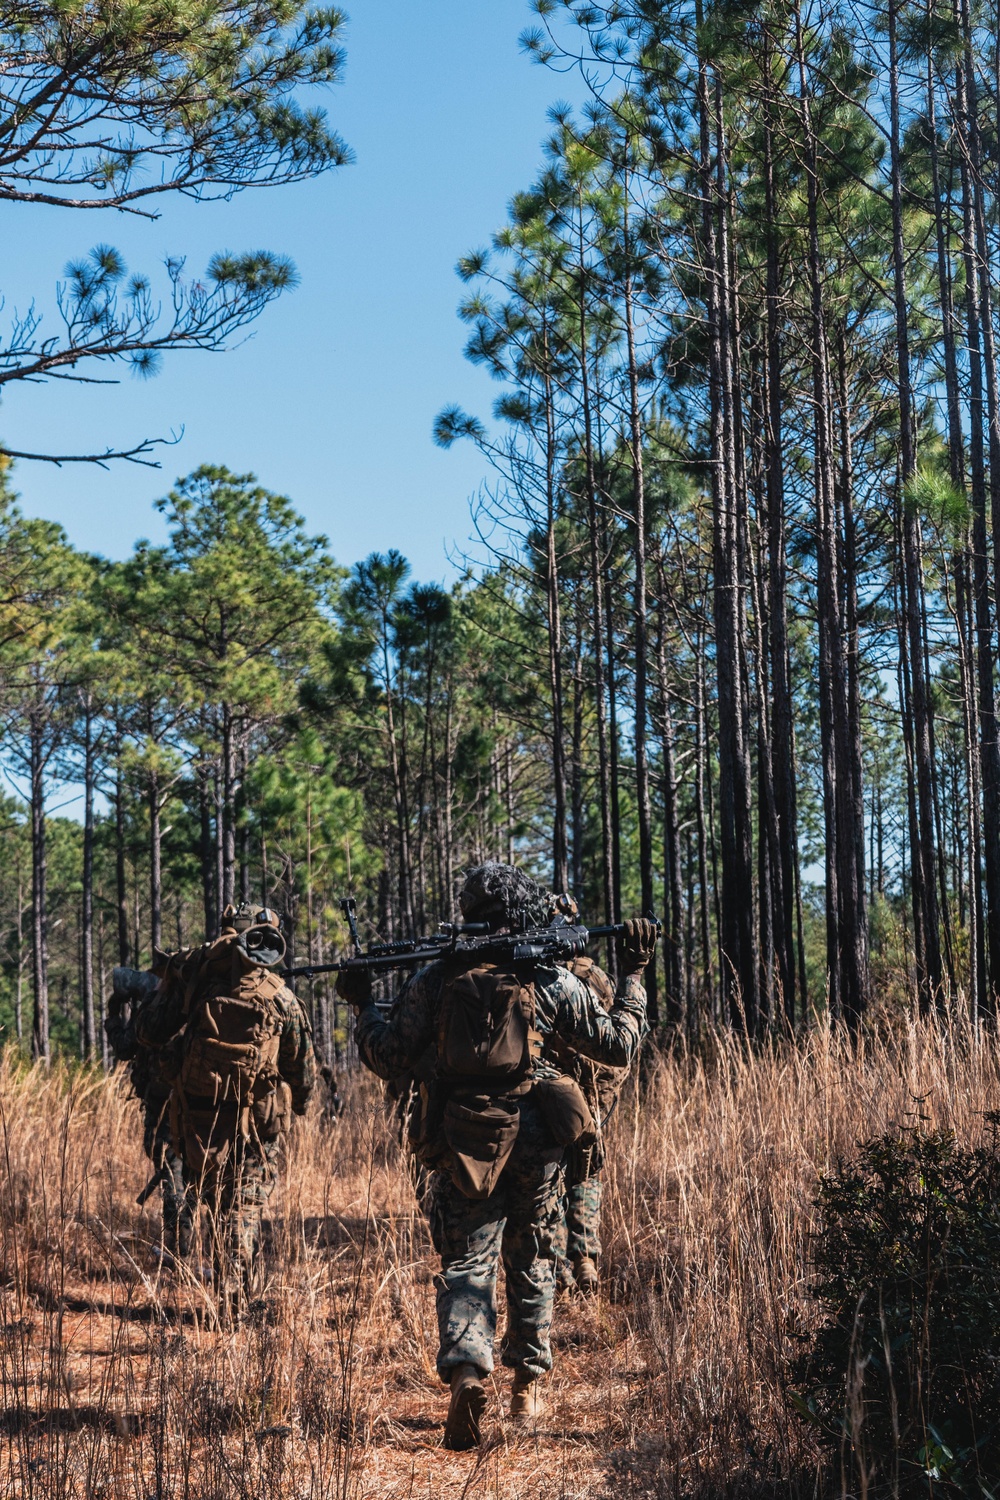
738,957
209,890
597,603
560,853
782,774
923,873
989,749
155,861
39,891
640,630
87,881
228,883
846,913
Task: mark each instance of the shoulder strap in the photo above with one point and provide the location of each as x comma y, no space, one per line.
271,988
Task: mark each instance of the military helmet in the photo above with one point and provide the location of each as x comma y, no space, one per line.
258,930
237,918
502,896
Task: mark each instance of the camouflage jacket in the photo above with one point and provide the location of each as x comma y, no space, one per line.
164,1018
564,1007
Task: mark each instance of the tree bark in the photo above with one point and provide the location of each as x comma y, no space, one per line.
989,749
121,885
155,861
737,947
923,853
87,881
597,603
782,776
847,924
228,883
560,853
40,1046
673,916
209,889
640,633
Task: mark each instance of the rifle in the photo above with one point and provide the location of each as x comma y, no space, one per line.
468,940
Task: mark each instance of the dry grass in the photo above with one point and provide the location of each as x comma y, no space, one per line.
115,1380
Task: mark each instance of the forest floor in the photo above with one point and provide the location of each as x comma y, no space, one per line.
118,1379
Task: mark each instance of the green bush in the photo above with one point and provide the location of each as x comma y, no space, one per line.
903,1377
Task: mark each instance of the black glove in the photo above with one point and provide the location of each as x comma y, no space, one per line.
637,945
355,986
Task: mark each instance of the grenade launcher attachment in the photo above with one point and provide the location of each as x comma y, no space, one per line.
469,940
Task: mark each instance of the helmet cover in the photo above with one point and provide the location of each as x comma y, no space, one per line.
502,895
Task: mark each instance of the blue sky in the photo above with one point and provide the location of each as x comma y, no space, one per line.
331,400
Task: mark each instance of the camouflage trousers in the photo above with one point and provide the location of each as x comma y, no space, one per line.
579,1229
178,1207
514,1225
234,1179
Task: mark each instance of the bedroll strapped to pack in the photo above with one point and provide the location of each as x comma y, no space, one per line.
228,1085
487,1044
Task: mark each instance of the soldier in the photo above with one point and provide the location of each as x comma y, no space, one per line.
132,989
245,1062
578,1240
495,1120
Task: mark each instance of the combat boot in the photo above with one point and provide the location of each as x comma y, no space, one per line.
587,1280
465,1414
565,1281
526,1404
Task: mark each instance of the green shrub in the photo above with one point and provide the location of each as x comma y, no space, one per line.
903,1377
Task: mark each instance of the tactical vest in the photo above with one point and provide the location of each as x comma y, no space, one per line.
228,1086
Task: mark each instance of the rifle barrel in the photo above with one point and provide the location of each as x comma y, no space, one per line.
617,929
373,963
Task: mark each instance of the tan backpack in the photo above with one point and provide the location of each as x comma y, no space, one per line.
228,1081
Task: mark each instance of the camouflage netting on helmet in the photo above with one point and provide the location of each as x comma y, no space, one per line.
494,892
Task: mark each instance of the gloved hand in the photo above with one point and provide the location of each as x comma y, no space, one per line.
355,986
637,945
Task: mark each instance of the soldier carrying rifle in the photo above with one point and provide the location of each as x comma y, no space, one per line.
494,1119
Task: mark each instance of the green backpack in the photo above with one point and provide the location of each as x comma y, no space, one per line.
486,1048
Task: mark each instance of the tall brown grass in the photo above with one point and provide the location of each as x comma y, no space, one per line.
120,1380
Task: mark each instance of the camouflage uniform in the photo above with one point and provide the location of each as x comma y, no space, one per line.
579,1230
237,1172
153,1092
517,1222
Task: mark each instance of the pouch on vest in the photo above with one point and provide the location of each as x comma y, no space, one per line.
425,1124
203,1139
481,1132
564,1109
272,1115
